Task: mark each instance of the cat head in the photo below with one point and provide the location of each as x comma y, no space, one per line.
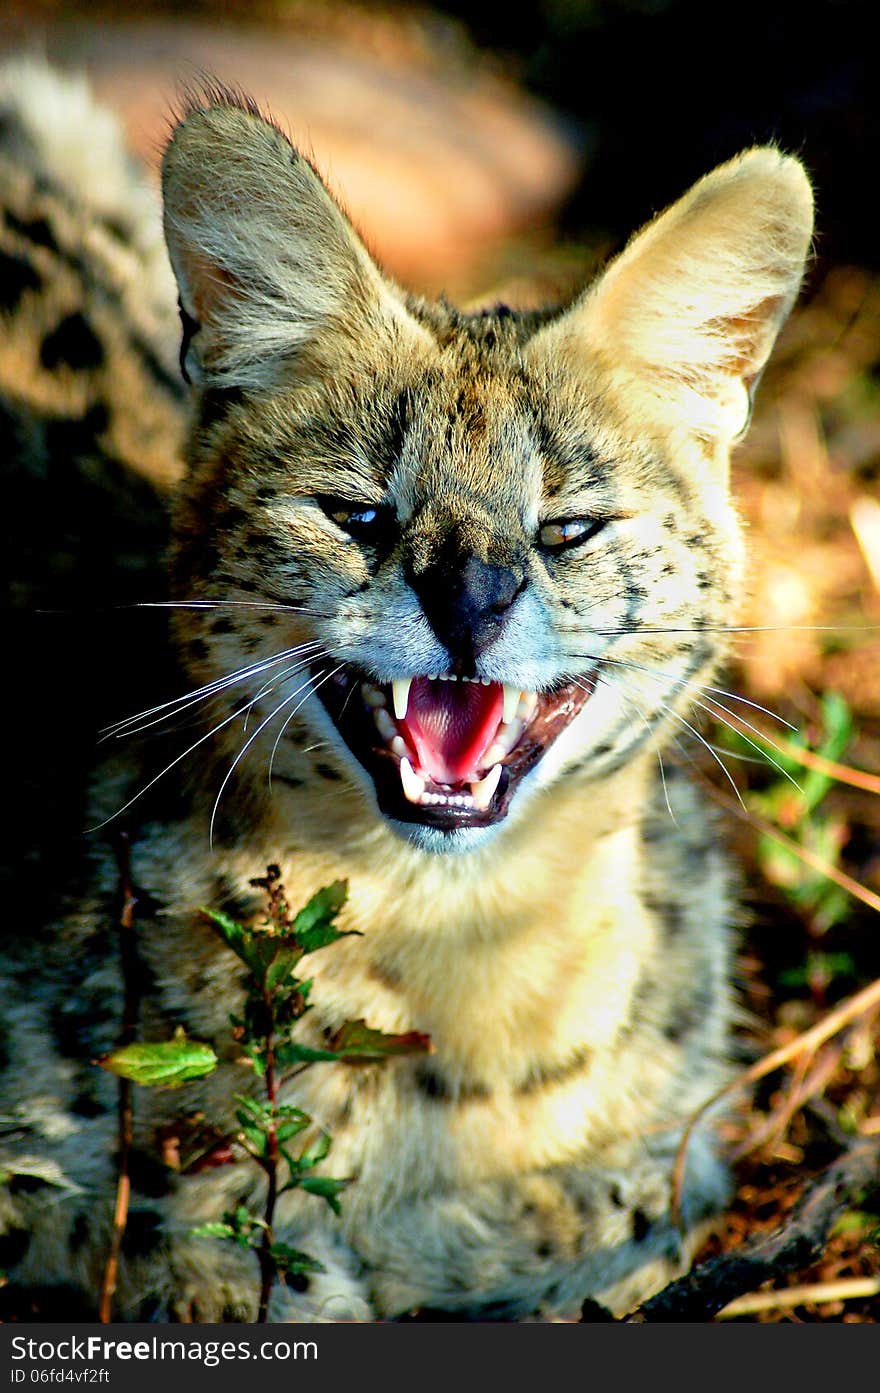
469,555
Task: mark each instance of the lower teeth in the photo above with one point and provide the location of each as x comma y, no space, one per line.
480,795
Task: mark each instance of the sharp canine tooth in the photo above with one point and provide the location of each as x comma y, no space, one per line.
511,702
483,791
400,691
413,786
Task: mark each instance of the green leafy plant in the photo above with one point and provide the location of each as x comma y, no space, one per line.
795,801
279,1137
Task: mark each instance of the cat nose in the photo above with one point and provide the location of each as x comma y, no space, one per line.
466,601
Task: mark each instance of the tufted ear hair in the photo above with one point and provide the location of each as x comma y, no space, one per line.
692,306
272,276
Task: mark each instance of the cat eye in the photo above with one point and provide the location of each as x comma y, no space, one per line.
568,532
366,522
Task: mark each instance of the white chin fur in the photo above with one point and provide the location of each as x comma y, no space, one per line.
437,843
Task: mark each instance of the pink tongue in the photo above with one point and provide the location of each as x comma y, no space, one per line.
450,725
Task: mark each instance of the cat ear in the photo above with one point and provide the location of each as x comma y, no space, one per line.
689,311
271,274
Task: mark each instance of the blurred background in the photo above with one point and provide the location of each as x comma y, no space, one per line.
504,153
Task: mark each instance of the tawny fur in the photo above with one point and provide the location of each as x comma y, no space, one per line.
572,965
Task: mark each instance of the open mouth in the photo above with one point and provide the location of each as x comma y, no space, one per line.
448,751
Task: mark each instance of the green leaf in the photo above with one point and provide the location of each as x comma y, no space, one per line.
254,1135
357,1043
284,1130
167,1063
313,926
292,1052
214,1230
323,934
321,1148
256,1109
291,1260
281,969
240,939
325,1186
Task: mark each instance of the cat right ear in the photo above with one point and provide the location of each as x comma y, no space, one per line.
273,278
687,314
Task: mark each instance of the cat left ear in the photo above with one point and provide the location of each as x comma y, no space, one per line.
273,278
688,313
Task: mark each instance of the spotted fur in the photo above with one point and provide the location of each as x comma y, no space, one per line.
571,960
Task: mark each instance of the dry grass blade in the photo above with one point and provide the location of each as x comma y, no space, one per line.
805,1043
813,1294
806,1084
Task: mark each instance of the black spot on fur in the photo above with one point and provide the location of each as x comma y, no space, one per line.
65,1022
547,1075
79,1233
265,494
544,1250
298,1281
388,977
198,649
16,277
326,772
73,439
13,1246
36,230
143,1233
641,1225
222,626
74,344
26,1184
687,1015
231,518
595,1314
287,779
432,1085
85,1104
669,912
148,1175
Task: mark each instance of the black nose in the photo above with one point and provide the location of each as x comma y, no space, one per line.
466,601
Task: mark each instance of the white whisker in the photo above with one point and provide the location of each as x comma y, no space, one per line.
129,725
692,686
249,742
168,767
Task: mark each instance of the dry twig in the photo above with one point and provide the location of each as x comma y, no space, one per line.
128,965
711,1287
